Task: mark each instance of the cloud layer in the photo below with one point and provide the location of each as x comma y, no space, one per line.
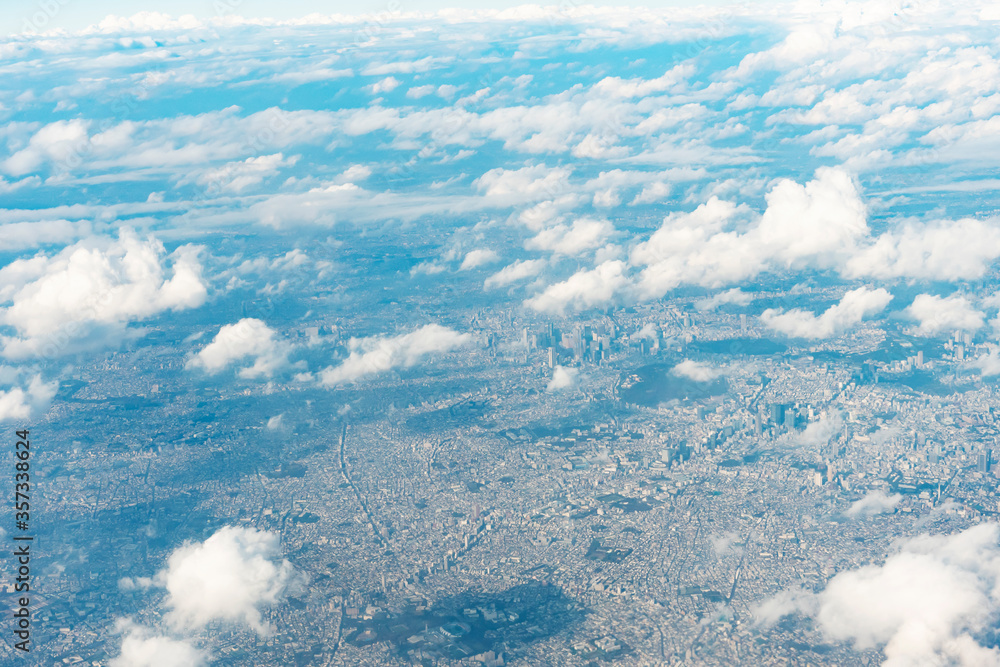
375,355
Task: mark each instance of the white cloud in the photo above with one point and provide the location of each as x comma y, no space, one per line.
378,354
478,257
249,337
141,647
855,306
945,250
525,184
721,543
22,405
584,289
937,314
238,176
386,85
927,604
598,147
817,434
584,234
416,92
652,193
696,248
62,143
734,296
146,21
988,364
875,502
228,578
562,378
95,286
18,235
512,273
697,371
815,222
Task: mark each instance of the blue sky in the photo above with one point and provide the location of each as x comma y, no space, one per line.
77,14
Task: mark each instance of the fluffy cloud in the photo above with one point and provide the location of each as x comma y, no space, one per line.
562,378
876,502
697,371
228,578
946,250
235,342
94,287
584,289
927,604
584,234
141,647
734,296
816,223
238,176
386,85
817,434
698,248
512,273
853,308
478,257
936,314
988,364
25,404
61,143
378,354
526,184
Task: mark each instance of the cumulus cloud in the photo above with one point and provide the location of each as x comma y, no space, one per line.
584,289
734,296
721,543
18,235
238,176
817,434
141,647
945,250
855,306
818,222
525,184
696,248
562,378
22,405
936,314
386,85
697,370
652,193
378,354
228,578
584,234
248,338
929,603
512,273
987,364
95,286
61,143
478,257
875,502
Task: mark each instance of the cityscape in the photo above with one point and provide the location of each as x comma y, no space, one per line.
565,336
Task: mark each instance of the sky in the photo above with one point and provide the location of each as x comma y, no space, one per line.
72,15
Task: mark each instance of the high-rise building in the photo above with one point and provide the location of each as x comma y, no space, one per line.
777,413
984,462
